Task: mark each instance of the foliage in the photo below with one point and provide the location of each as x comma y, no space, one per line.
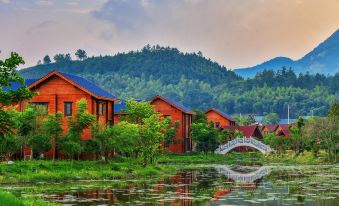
47,60
278,143
250,119
205,136
271,118
171,131
72,144
81,54
9,145
126,138
241,120
62,58
9,76
198,82
52,129
137,111
199,116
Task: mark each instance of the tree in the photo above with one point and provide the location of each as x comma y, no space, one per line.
53,130
271,118
47,60
151,137
125,138
8,76
8,146
278,143
333,112
62,58
241,121
81,54
199,117
137,111
72,143
39,62
40,143
205,136
250,119
171,131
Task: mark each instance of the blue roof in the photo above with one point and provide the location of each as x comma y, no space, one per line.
224,114
89,86
16,85
120,107
177,104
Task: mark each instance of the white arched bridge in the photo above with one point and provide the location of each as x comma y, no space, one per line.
243,177
246,142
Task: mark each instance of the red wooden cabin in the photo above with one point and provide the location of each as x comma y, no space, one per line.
248,131
270,128
219,118
59,92
180,113
283,130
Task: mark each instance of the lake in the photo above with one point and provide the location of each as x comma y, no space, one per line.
203,185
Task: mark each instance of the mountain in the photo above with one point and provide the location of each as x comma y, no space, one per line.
162,63
323,59
198,82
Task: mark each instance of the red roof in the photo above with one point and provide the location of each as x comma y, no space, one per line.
248,131
285,129
271,127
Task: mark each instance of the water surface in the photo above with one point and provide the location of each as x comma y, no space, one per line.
208,185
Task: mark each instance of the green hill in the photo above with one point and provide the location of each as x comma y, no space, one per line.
200,83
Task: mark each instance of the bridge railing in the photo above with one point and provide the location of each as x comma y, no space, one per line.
244,141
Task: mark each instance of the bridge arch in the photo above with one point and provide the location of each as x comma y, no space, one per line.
243,141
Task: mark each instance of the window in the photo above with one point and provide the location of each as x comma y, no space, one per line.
217,124
40,106
68,108
101,108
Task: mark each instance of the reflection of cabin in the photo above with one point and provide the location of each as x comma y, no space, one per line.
248,131
59,92
180,114
219,118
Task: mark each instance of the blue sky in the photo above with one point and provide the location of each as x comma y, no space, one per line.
235,33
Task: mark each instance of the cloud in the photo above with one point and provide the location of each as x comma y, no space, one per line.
38,27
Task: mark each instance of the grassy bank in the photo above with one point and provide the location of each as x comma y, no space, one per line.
288,157
7,199
40,171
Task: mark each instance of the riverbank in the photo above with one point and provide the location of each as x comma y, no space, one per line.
49,171
33,172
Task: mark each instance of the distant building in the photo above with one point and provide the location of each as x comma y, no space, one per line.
269,128
179,113
219,118
248,131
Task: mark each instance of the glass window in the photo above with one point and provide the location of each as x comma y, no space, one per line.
101,108
217,124
68,109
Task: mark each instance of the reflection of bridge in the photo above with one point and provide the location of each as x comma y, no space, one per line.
243,177
247,142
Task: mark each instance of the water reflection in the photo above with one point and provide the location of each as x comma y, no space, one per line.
241,176
217,185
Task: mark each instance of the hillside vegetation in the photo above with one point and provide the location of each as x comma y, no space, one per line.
200,83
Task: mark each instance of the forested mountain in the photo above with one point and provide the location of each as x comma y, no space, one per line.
200,83
323,59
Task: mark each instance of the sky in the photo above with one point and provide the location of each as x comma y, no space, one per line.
235,33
